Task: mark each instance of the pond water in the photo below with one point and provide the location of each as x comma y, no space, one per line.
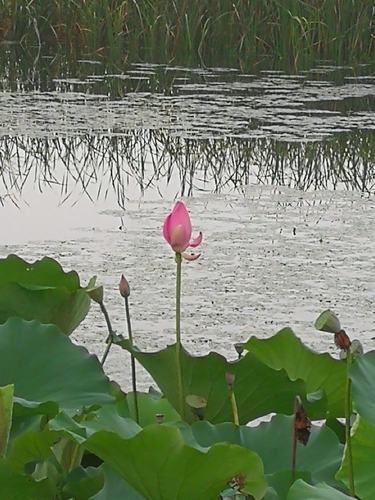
277,171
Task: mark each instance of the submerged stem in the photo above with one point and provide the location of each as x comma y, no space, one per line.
110,332
348,413
178,337
132,359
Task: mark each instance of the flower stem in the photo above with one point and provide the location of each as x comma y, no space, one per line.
230,378
294,442
233,401
178,337
110,332
132,359
348,413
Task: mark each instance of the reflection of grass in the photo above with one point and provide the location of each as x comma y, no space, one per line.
294,32
152,158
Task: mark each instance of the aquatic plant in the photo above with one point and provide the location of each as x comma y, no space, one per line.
67,431
177,233
124,289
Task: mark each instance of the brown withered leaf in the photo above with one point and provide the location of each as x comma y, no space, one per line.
302,423
342,341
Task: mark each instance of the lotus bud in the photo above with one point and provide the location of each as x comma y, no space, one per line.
177,230
124,287
97,294
229,378
328,322
356,348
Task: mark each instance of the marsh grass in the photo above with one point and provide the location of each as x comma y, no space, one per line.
293,33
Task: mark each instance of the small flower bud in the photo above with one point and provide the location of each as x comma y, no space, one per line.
229,378
96,294
342,341
356,348
124,287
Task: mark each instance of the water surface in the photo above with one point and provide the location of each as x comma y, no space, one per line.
276,169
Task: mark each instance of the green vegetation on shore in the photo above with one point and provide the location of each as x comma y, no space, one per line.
293,33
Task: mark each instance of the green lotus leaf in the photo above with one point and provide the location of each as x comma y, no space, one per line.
115,487
64,424
43,291
16,486
44,365
150,405
321,457
362,374
6,409
30,415
32,446
259,389
106,418
338,427
82,484
363,452
45,452
23,407
271,494
320,372
281,481
302,490
159,465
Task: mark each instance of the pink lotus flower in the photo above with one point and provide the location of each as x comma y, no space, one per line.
177,231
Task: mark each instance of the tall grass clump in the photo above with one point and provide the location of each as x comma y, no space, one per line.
294,33
291,31
79,26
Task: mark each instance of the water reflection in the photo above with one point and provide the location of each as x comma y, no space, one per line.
142,160
80,126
